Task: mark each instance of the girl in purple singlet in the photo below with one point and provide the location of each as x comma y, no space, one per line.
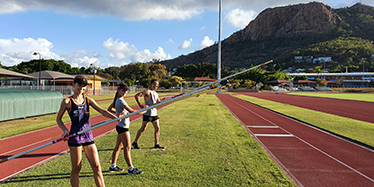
77,107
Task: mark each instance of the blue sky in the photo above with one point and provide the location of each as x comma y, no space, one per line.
117,32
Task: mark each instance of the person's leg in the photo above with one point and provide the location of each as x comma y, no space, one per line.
117,149
125,139
93,157
156,125
76,165
115,153
141,130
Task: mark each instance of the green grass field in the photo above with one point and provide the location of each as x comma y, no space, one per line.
369,97
353,129
205,146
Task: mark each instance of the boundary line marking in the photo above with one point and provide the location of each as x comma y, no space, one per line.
275,135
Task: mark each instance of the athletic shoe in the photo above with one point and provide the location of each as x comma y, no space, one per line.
158,147
135,171
135,145
115,169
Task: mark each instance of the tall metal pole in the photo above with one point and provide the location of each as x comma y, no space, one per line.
219,43
40,68
94,83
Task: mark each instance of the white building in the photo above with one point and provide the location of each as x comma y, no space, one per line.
322,59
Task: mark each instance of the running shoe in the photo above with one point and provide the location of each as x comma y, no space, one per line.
158,147
135,171
135,145
115,169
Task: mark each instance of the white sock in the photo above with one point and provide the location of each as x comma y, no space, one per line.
131,168
114,165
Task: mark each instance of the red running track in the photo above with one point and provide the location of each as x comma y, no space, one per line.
23,142
359,110
311,157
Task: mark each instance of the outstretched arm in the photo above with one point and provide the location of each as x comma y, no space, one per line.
101,110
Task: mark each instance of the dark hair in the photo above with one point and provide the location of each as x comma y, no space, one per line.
153,81
122,86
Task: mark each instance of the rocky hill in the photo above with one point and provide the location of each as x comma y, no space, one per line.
277,33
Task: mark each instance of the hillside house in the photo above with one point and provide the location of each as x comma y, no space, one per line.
299,59
322,59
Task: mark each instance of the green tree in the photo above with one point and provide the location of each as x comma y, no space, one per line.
304,77
249,83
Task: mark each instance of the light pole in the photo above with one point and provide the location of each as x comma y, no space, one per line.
94,72
40,68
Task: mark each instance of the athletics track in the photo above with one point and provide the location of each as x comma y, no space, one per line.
309,156
359,110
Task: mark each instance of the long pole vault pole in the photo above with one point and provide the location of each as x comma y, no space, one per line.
214,85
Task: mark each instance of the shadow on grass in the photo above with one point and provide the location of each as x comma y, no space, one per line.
47,177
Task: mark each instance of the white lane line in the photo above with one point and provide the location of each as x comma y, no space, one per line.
268,127
275,135
23,147
319,150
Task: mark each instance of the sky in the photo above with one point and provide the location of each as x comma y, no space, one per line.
107,33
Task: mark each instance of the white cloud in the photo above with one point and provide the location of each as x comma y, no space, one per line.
150,9
124,9
10,7
14,51
170,41
146,55
185,45
80,58
240,18
121,51
206,42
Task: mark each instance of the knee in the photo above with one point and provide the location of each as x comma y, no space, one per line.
96,168
76,169
127,148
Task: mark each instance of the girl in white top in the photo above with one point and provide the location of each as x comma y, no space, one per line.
123,137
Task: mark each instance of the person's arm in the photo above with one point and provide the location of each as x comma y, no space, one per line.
138,95
111,108
101,110
64,107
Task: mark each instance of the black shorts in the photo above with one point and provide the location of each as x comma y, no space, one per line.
80,144
121,130
150,118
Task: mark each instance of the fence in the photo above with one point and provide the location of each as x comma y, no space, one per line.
69,90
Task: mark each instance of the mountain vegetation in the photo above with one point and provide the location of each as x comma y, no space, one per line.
281,33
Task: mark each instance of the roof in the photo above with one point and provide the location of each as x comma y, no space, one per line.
330,82
304,81
51,75
92,77
279,81
8,73
202,79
